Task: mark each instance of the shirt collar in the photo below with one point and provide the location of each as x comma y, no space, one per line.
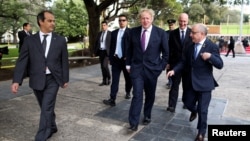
41,34
148,30
202,41
183,30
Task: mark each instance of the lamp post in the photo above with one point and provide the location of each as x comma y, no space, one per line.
241,19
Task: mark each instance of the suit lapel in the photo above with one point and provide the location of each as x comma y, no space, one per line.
52,44
39,43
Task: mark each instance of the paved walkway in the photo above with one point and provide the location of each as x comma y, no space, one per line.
81,115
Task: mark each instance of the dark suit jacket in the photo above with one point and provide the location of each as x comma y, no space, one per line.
198,71
176,47
32,54
98,42
21,35
125,43
154,59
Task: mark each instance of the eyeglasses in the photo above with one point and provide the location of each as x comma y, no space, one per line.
122,20
194,32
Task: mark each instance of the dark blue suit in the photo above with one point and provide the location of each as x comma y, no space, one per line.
198,80
118,64
145,67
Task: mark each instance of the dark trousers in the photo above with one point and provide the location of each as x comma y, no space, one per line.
119,65
148,84
46,99
198,102
230,49
103,58
174,90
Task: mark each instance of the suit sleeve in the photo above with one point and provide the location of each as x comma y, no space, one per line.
165,50
215,58
21,64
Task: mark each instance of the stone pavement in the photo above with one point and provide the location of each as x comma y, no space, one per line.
81,115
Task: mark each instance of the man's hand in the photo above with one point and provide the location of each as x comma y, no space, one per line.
14,88
65,85
205,55
170,73
128,70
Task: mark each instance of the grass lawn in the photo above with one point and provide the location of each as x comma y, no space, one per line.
235,29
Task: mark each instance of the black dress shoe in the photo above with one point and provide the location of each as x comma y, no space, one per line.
199,137
110,102
127,96
52,132
192,116
133,128
146,121
171,109
102,84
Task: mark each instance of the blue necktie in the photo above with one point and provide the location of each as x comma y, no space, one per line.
182,36
119,49
143,40
196,50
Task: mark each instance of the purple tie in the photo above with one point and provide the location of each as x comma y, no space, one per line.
143,40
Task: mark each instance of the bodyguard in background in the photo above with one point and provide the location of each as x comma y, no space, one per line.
102,46
47,56
24,33
178,40
119,44
198,61
147,57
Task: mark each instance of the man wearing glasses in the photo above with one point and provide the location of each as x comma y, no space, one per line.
117,57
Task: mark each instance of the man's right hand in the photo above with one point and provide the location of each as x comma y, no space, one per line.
14,88
170,73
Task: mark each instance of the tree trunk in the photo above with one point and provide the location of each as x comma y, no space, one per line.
94,28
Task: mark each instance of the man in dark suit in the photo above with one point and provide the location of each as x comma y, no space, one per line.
171,27
102,46
117,57
24,33
197,62
47,56
147,57
231,46
178,39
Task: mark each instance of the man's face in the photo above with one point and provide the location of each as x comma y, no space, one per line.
48,24
146,20
104,26
196,35
171,26
123,22
183,22
28,27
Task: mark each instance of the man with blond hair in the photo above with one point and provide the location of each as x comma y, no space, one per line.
147,57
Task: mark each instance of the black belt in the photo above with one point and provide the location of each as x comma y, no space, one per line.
101,49
48,74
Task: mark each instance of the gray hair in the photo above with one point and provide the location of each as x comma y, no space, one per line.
201,27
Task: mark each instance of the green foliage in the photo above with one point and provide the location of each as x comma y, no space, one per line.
71,18
196,13
164,10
